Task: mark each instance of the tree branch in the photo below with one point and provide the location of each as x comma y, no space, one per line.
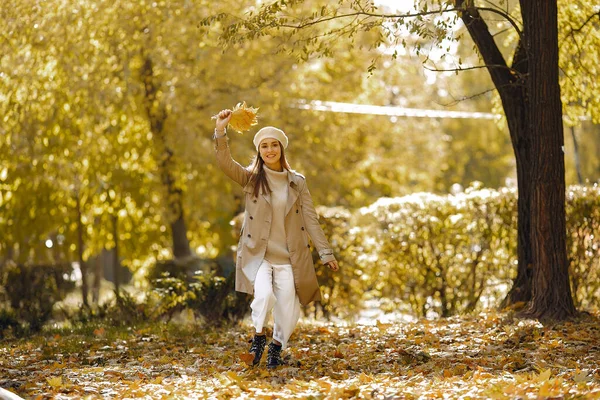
585,23
396,16
468,68
497,67
455,100
573,31
366,14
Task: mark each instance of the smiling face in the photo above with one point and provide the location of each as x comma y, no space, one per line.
270,152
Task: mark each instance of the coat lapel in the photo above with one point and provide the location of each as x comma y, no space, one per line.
249,188
292,193
267,197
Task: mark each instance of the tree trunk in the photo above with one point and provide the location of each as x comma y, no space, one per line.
116,266
521,289
97,273
181,244
445,310
82,264
157,115
551,291
96,284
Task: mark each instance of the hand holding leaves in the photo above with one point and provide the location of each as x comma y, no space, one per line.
241,118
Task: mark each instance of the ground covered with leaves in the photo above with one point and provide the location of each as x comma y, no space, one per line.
490,355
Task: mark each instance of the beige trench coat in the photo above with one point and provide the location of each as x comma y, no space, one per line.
301,220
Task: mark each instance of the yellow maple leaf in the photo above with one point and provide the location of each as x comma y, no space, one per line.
382,326
56,366
243,117
544,376
165,359
56,382
233,376
581,376
264,373
547,390
324,383
364,378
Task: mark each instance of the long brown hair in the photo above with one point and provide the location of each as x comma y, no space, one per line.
259,176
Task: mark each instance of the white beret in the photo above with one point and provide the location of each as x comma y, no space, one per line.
271,133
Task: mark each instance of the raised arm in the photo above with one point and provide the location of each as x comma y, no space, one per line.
226,163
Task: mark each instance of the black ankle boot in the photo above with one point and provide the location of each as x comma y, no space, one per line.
258,347
274,356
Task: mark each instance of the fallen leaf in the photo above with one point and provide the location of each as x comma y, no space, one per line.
233,376
56,382
582,376
544,375
113,373
383,326
459,357
247,358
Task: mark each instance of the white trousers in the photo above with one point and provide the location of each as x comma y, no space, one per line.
274,289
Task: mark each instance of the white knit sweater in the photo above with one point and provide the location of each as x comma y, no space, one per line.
277,251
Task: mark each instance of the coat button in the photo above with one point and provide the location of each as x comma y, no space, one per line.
251,217
296,211
254,201
302,228
249,235
308,245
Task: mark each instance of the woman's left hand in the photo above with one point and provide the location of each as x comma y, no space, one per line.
333,265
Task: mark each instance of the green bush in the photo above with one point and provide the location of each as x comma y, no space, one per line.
583,244
32,290
426,254
9,323
440,254
184,269
342,290
208,295
125,310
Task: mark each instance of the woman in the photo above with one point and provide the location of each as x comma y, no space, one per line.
274,259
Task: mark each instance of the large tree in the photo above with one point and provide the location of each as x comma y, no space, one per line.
533,129
528,86
551,291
